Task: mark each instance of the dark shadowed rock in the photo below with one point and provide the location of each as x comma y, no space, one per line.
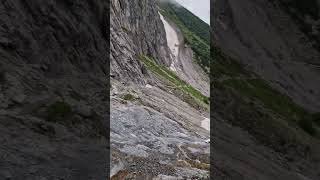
46,49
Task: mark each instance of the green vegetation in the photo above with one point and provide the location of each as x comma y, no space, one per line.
231,73
196,33
189,20
58,111
224,65
128,97
234,76
173,79
272,99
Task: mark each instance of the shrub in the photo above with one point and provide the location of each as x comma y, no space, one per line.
128,97
206,100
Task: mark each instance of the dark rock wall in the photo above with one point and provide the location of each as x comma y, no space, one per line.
61,36
53,91
136,29
267,40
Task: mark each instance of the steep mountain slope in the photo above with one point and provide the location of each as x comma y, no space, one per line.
261,107
183,57
130,37
53,89
194,31
252,137
159,97
268,41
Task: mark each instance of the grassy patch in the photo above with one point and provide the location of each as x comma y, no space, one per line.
251,86
272,99
174,80
58,111
128,97
225,65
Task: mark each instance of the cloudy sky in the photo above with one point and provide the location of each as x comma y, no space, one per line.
201,8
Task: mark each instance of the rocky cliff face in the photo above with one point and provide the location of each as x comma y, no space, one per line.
269,41
53,89
265,84
136,30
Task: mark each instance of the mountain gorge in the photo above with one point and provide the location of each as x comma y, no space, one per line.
159,117
258,61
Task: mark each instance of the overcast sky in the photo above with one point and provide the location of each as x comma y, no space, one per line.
200,8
